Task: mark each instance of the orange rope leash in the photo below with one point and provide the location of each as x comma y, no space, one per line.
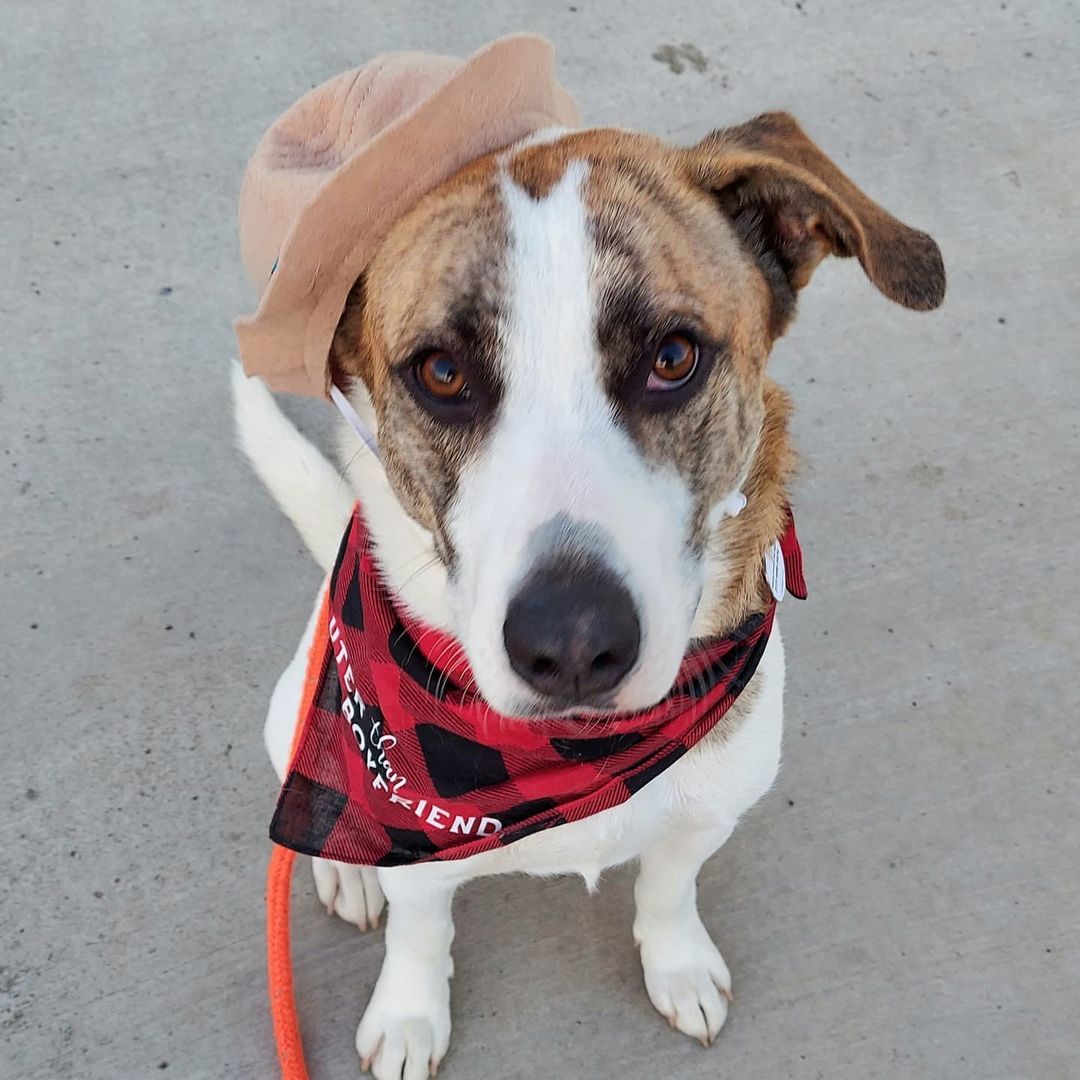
282,1003
290,1048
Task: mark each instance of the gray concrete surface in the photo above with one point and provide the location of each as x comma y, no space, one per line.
904,904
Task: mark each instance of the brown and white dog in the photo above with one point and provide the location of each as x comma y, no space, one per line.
563,347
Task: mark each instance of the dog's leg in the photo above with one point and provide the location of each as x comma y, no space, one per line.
349,891
406,1028
685,975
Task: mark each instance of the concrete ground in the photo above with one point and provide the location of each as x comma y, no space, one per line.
904,904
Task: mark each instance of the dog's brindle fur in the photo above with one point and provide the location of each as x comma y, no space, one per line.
718,238
721,232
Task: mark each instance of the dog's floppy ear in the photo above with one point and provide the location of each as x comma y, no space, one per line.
792,206
348,357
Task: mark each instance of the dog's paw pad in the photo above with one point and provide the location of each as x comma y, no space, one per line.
687,981
350,892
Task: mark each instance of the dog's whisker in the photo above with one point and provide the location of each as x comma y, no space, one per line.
432,562
416,643
458,654
412,558
442,675
361,449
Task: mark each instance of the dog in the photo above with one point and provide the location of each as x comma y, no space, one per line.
563,349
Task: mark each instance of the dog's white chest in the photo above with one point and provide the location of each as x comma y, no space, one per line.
585,847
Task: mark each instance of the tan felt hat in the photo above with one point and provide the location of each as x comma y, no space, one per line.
351,157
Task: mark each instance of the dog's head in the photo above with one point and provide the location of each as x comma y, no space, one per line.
564,347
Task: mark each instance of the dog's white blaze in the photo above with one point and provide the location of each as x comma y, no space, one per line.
557,450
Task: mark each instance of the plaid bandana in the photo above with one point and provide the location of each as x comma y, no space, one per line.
397,763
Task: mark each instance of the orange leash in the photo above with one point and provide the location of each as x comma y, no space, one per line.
282,1003
290,1048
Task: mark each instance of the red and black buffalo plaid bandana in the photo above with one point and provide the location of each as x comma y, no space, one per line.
397,764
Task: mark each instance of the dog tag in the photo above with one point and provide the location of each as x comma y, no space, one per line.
775,574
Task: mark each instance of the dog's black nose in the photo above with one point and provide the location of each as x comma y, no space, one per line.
572,630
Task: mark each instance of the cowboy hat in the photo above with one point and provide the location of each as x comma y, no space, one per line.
334,172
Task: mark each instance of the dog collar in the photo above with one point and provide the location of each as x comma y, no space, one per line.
397,763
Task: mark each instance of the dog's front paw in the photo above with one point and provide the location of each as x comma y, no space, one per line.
351,892
685,976
406,1028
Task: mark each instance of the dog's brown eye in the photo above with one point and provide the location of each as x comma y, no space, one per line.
676,359
440,375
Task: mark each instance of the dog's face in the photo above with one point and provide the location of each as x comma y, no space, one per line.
565,349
